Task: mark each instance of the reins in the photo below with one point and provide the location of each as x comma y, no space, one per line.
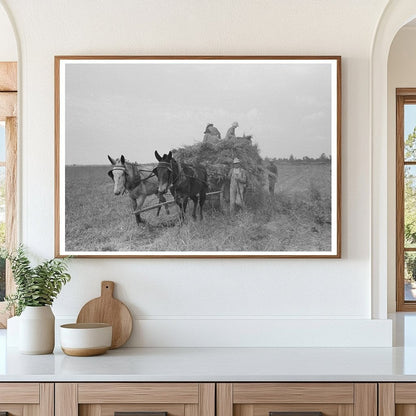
147,177
124,169
168,165
161,164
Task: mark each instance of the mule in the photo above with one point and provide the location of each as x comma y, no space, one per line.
139,183
184,181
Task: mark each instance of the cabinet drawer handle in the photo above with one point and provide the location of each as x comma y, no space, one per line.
295,413
139,414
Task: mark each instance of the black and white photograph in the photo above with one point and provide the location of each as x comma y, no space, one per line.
198,156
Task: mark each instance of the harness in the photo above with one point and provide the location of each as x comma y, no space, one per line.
126,173
147,177
169,167
123,168
119,167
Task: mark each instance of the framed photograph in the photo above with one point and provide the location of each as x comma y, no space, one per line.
198,156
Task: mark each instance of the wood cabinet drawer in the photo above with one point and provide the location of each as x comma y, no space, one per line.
105,399
138,393
23,399
397,399
264,399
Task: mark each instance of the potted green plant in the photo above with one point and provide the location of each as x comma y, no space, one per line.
36,289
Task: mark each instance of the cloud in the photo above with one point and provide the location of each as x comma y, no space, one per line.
319,115
253,114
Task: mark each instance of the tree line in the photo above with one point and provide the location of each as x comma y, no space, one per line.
323,158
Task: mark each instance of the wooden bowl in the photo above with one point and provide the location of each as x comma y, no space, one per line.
84,340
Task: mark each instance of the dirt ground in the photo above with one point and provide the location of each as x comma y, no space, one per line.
296,218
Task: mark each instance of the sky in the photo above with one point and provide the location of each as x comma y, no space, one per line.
136,108
409,119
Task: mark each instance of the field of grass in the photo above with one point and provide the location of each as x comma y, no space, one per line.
296,218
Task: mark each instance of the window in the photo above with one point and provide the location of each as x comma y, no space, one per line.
8,167
406,199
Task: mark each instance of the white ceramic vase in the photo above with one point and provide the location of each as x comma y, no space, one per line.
37,330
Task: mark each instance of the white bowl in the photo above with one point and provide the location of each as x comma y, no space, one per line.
84,340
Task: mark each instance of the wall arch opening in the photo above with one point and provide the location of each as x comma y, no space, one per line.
396,15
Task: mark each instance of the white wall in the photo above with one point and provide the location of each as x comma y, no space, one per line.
8,47
197,302
401,74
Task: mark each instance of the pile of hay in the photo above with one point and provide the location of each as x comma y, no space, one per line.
218,157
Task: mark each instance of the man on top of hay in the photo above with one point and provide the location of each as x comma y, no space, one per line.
231,131
211,134
238,183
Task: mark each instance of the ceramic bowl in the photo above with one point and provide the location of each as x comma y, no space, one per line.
83,340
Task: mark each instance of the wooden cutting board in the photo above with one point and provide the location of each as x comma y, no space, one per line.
107,309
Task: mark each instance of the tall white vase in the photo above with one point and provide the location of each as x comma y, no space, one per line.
37,330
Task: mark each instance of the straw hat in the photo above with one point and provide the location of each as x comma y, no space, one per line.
236,160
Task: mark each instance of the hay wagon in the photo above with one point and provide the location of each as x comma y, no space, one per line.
217,159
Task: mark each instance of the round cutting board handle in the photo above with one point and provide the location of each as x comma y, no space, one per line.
107,288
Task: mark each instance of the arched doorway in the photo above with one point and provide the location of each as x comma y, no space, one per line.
395,16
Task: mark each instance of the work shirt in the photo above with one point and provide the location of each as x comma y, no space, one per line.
230,133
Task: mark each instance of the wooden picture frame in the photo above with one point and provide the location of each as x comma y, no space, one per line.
271,170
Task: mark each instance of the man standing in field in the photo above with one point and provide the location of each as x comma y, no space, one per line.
272,176
238,184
